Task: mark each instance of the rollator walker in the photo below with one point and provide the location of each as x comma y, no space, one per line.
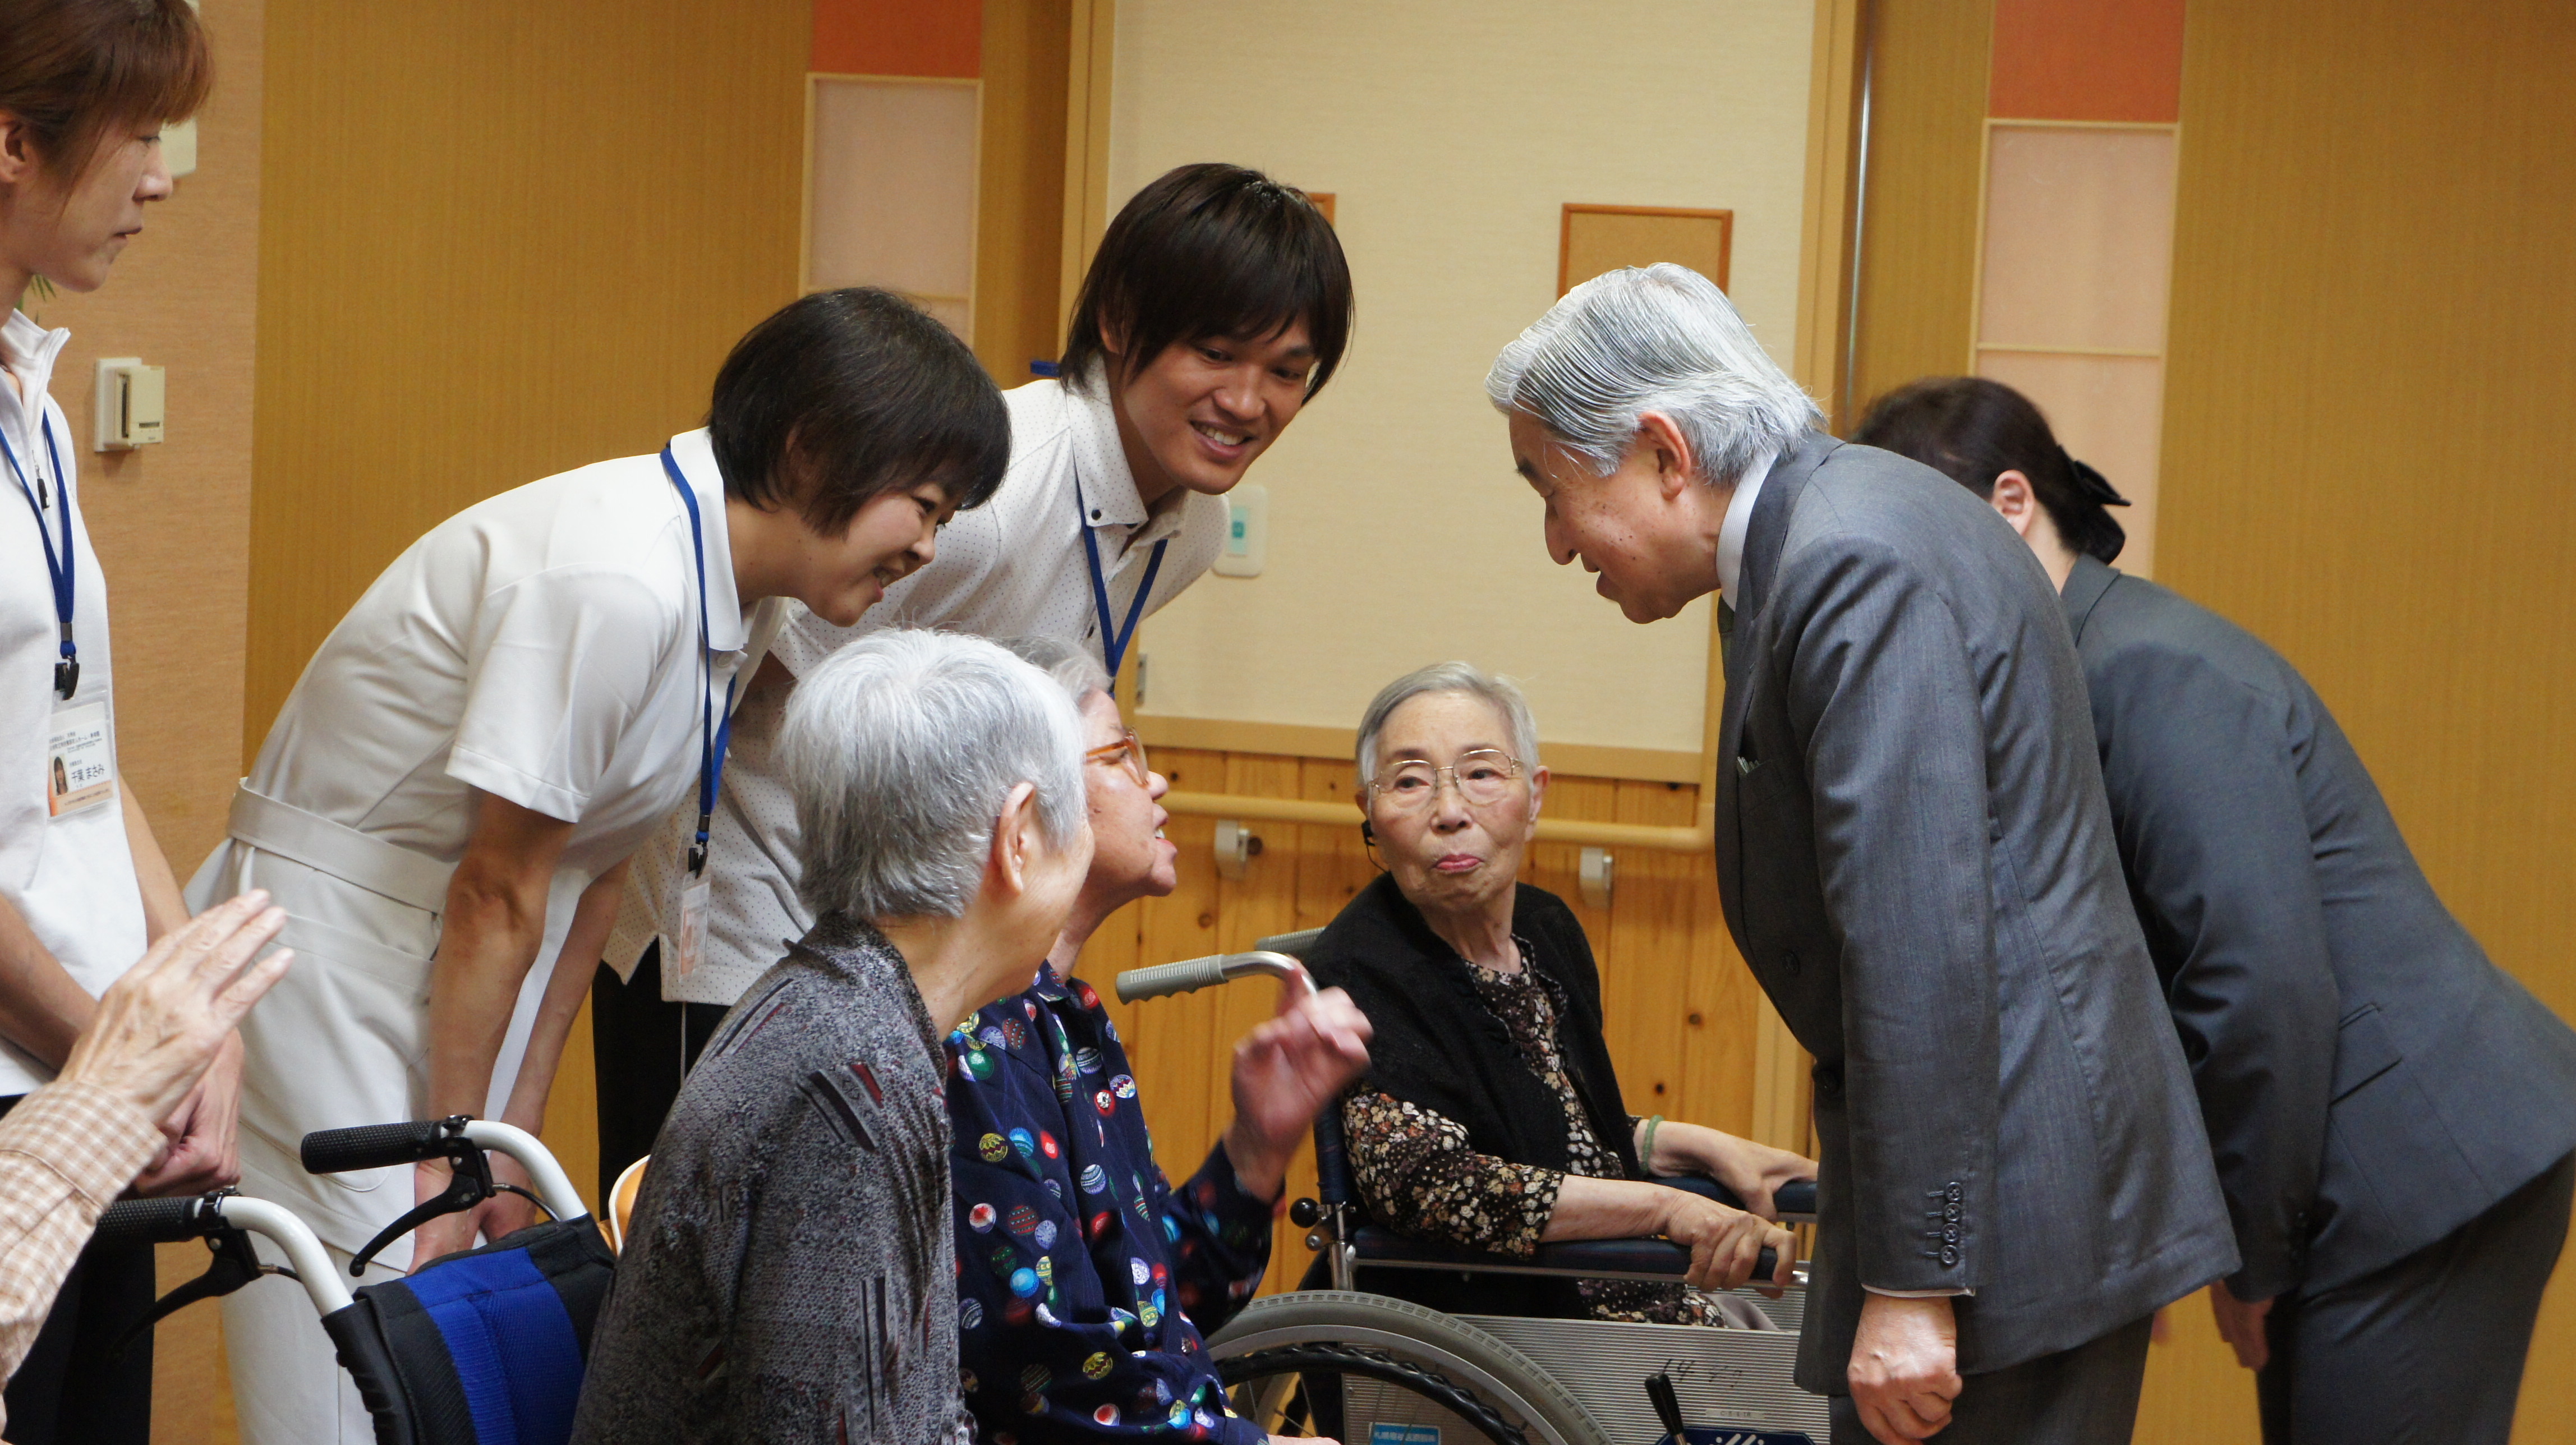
1367,1369
483,1347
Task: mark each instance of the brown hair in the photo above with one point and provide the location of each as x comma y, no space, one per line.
73,69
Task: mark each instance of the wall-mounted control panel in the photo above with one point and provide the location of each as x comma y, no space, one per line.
131,403
1247,532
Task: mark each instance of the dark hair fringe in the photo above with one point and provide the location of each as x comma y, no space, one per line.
1212,250
1973,430
843,396
72,69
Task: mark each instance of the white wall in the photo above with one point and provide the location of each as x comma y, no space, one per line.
1451,133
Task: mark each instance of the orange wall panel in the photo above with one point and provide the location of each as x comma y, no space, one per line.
899,37
2087,60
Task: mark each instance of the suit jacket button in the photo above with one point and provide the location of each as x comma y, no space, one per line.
1789,962
1950,1256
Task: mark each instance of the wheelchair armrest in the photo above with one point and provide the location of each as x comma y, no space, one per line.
1656,1260
1795,1200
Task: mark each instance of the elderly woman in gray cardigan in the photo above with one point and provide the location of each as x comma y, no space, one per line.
788,1273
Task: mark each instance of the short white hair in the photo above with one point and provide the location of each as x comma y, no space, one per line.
1461,677
900,749
1661,339
1072,666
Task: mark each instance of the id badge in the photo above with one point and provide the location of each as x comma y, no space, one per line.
80,760
692,940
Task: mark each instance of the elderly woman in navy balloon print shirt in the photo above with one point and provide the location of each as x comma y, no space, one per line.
1085,1279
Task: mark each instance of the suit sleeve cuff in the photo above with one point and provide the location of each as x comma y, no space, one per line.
1921,1293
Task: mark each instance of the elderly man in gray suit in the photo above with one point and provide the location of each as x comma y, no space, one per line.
1917,863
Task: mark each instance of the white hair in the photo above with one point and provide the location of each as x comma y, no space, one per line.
1074,669
900,749
1464,677
1661,339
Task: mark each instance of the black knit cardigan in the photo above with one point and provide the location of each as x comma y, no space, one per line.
1437,1046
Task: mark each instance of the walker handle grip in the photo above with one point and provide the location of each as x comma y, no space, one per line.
374,1146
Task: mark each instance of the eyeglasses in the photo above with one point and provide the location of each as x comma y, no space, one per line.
1482,777
1129,750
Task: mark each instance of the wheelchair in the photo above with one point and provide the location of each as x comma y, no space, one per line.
485,1346
1368,1369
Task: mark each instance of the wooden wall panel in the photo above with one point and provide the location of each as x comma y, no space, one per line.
2372,382
1918,256
500,240
1019,218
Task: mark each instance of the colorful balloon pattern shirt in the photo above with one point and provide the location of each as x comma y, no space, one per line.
1084,1278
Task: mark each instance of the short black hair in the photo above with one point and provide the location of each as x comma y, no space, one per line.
1972,431
846,395
1212,250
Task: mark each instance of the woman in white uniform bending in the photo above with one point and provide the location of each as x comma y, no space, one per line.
451,792
84,89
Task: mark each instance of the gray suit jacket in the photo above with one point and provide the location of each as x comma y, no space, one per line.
2370,1081
1918,864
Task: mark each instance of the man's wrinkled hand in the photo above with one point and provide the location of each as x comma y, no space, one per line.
1904,1367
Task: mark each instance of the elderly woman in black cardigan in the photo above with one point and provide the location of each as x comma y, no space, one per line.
1491,1117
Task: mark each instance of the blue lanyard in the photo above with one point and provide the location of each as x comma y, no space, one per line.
1114,639
712,735
58,564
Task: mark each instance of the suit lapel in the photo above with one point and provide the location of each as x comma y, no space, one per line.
1764,537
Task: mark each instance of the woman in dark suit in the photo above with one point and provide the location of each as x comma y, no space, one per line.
2392,1115
1491,1117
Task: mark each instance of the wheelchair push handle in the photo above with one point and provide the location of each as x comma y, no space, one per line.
225,1219
379,1146
153,1221
373,1146
1192,974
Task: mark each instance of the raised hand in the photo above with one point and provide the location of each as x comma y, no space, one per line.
1285,1073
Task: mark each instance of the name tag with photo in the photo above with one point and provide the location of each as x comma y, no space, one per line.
80,760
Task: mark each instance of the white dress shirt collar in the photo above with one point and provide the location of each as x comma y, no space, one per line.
695,452
1739,520
32,353
1109,495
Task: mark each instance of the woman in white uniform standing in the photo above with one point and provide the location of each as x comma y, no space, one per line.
84,88
450,794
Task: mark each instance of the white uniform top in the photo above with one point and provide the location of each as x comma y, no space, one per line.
1014,567
71,877
542,646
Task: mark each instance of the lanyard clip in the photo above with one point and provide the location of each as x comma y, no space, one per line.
66,678
698,846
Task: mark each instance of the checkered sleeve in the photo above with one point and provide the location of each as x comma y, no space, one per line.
65,1153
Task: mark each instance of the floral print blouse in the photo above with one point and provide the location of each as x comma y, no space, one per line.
1419,1175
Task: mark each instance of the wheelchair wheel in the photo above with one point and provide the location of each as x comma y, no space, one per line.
1350,1366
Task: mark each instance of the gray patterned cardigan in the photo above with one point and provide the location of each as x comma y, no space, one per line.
788,1273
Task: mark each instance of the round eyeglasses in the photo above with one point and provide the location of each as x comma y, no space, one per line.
1128,751
1482,777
